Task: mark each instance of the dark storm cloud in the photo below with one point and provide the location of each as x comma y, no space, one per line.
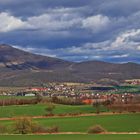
27,8
119,8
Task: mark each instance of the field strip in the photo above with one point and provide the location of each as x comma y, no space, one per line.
68,133
81,133
65,116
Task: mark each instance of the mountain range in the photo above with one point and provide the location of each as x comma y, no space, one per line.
21,68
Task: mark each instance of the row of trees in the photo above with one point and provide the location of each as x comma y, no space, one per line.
124,108
66,101
118,107
13,101
40,99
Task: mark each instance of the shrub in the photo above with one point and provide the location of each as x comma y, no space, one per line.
23,125
96,129
38,129
49,109
39,98
54,129
3,129
97,105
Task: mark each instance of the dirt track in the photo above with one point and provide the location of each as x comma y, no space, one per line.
65,116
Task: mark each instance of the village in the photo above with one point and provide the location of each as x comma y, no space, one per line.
86,93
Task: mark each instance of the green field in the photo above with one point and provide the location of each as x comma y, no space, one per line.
130,88
112,123
70,137
39,110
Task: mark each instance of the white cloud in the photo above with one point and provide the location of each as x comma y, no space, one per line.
9,22
55,21
120,56
65,18
123,47
96,23
59,19
126,40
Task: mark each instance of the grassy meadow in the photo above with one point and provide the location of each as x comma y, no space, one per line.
112,123
70,137
39,110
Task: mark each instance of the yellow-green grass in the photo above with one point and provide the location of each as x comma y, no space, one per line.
39,110
112,123
70,137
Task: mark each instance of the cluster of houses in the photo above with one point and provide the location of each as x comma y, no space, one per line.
115,98
133,82
57,87
77,93
74,92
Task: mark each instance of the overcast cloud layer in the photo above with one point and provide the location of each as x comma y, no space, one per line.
74,30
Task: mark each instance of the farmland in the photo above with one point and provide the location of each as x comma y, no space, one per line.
39,110
112,123
130,88
72,117
70,137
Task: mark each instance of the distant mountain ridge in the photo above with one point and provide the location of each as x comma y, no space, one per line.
19,59
21,68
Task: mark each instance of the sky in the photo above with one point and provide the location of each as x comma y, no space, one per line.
73,30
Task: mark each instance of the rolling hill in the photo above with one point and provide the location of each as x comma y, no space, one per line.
21,68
